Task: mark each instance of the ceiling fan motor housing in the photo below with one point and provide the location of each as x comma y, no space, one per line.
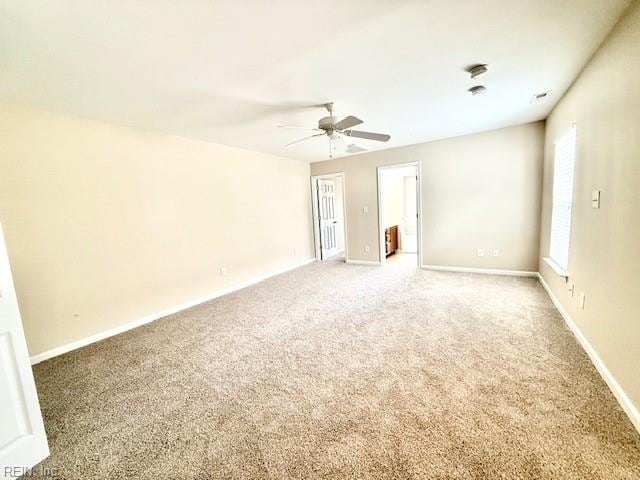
326,123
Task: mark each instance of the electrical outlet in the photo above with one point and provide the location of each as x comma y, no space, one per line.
365,209
367,248
481,252
582,300
496,253
223,271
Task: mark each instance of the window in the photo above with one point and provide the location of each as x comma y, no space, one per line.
563,165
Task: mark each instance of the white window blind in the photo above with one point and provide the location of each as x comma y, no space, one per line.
563,166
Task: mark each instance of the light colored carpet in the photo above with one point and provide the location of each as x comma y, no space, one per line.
337,371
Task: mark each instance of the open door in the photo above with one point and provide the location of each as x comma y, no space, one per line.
327,216
399,218
23,442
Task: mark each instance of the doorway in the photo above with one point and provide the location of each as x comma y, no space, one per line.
399,213
330,232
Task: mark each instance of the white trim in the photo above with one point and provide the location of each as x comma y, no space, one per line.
624,401
419,212
486,271
314,213
381,241
155,316
361,262
556,268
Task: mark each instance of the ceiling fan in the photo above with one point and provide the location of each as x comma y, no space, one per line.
337,130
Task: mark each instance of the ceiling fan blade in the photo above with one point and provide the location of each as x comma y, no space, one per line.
353,148
289,127
305,138
380,137
347,122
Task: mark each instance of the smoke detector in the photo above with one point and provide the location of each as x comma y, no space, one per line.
477,90
477,70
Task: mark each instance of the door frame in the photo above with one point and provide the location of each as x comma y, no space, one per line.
316,217
381,241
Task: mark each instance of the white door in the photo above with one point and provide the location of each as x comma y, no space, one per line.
327,215
23,442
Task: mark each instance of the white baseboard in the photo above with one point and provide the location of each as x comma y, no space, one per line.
485,271
361,262
624,401
40,357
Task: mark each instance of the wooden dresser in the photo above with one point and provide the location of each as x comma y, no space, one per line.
391,240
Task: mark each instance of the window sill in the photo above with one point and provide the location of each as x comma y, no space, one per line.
556,268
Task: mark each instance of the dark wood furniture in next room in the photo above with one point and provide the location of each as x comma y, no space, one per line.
391,239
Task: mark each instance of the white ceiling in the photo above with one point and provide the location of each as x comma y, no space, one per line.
230,71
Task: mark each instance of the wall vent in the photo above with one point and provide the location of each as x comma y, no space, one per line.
539,97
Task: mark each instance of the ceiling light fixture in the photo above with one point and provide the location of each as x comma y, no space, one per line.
477,70
478,90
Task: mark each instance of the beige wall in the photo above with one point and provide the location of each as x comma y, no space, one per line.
392,199
604,259
478,191
106,224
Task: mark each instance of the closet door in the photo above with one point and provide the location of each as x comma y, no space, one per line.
328,219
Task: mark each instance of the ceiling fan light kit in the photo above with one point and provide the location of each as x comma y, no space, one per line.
335,129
